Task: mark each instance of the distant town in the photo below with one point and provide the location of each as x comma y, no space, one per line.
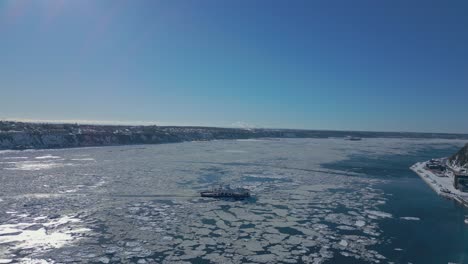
23,135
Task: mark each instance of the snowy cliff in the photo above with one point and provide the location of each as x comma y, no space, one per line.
20,135
460,159
16,135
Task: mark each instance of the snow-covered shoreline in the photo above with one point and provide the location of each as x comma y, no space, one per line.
443,186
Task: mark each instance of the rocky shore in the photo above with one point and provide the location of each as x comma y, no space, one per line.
19,135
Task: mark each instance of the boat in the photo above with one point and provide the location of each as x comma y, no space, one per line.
226,192
466,219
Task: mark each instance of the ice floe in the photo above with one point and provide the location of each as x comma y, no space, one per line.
410,218
84,159
377,214
48,157
234,151
13,158
35,165
360,223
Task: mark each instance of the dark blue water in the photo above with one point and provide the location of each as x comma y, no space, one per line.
440,236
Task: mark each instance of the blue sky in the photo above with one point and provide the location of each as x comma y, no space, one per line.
358,65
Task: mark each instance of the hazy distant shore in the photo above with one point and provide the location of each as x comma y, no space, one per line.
19,135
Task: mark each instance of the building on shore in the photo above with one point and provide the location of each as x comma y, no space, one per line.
460,181
437,166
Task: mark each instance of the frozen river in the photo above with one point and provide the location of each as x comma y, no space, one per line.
315,201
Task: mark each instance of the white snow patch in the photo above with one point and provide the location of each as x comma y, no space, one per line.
53,234
35,261
41,163
69,191
35,165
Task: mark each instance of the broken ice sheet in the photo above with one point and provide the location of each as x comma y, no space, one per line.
300,212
